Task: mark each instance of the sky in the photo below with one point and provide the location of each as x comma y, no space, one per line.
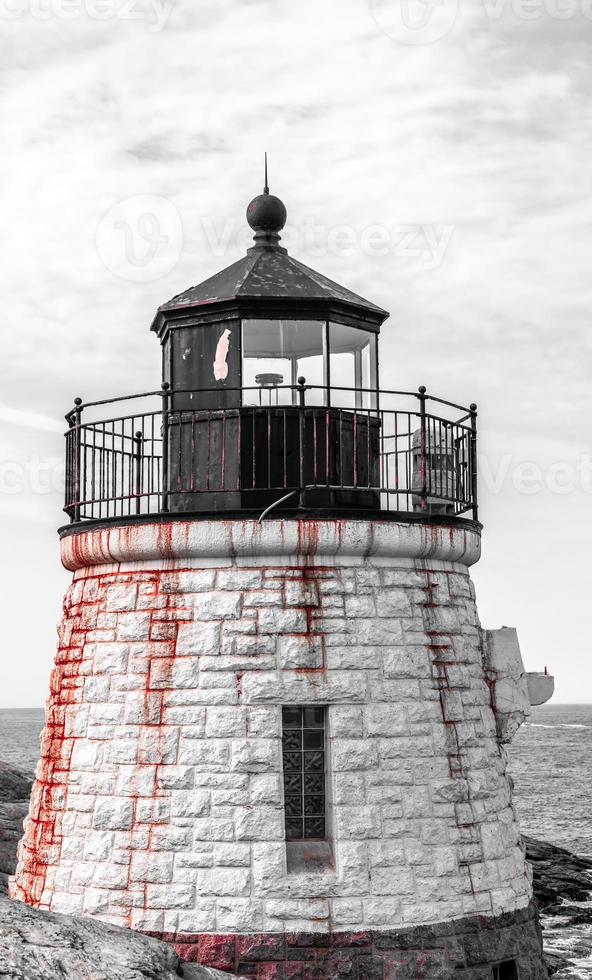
434,157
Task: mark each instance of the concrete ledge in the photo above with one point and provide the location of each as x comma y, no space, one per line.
540,687
303,541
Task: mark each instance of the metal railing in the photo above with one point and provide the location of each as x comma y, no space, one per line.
411,453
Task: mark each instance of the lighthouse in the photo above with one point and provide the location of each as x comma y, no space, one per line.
275,729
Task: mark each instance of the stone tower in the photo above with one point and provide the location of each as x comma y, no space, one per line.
274,732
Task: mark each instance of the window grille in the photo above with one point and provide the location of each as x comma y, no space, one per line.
303,752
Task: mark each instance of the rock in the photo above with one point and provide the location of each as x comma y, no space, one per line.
14,784
558,876
563,886
15,789
46,946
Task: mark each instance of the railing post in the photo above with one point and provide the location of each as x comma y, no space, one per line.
302,427
75,422
423,472
138,469
164,505
473,458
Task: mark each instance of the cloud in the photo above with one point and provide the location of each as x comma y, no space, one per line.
486,131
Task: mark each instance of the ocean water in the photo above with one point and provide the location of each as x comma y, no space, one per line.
550,761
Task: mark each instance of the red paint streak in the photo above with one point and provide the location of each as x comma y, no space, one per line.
41,845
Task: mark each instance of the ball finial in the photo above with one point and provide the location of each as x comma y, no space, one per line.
266,215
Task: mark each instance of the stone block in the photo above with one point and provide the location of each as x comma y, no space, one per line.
110,658
136,781
393,881
239,914
357,822
225,722
239,579
381,632
263,597
201,918
153,868
212,829
353,753
153,811
259,823
217,605
381,912
98,846
167,837
386,854
158,746
313,909
170,896
358,607
198,639
300,652
96,689
190,803
110,875
85,755
264,721
175,777
345,720
198,580
265,788
223,881
301,592
393,602
348,787
133,626
113,814
407,662
387,719
232,854
120,598
206,753
346,912
272,620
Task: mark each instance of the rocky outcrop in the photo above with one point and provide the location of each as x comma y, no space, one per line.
15,789
563,888
49,946
559,877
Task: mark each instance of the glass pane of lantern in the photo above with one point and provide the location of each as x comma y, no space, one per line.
275,354
353,366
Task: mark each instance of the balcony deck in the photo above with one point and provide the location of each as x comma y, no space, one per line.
290,450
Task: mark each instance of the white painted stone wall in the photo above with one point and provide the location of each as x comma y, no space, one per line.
164,809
